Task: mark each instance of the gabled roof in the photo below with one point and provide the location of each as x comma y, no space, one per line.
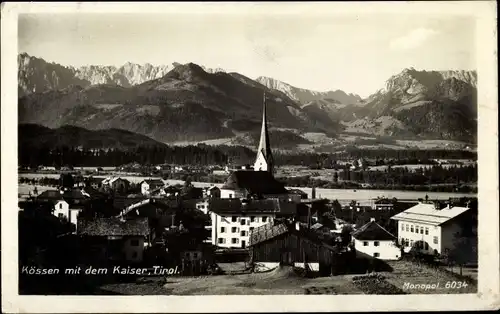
297,191
255,182
427,213
113,227
154,182
236,206
50,195
373,231
267,232
270,231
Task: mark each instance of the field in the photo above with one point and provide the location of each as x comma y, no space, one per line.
284,280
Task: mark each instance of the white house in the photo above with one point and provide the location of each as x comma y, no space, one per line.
428,228
234,219
373,240
61,207
150,185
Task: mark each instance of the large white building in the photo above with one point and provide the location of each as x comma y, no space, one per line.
375,241
428,228
234,219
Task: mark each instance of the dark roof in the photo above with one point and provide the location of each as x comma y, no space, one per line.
230,206
373,231
113,227
270,231
267,232
154,182
255,182
297,191
74,194
384,201
94,180
50,195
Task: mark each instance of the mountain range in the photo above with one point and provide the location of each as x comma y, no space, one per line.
188,102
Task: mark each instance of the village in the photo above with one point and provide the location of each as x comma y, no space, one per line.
252,232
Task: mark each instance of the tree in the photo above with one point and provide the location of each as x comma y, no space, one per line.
66,180
464,250
345,234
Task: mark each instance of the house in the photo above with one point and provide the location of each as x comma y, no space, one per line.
234,219
61,205
113,239
373,240
302,194
430,229
203,205
117,184
213,192
151,184
272,245
384,204
95,183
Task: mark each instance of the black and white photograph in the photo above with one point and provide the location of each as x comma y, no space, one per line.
287,150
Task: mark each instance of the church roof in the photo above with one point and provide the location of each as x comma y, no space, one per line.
255,182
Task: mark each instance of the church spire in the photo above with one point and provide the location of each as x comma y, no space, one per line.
264,160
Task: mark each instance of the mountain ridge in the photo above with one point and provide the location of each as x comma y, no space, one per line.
194,103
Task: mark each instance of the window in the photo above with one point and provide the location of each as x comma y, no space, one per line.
244,233
252,218
435,240
60,205
416,229
411,243
256,219
421,230
134,242
426,246
402,227
251,228
242,221
221,240
264,219
407,227
376,254
365,243
134,254
230,195
222,229
235,240
60,216
411,228
234,219
376,243
195,255
426,231
234,229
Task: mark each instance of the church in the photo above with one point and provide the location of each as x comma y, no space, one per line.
258,183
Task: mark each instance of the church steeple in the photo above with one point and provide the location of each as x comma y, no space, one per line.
264,160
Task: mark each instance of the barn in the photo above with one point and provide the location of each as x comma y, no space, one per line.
294,245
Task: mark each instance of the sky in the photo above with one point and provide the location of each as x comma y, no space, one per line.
354,53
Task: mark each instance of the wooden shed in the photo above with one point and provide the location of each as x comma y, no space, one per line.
294,245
